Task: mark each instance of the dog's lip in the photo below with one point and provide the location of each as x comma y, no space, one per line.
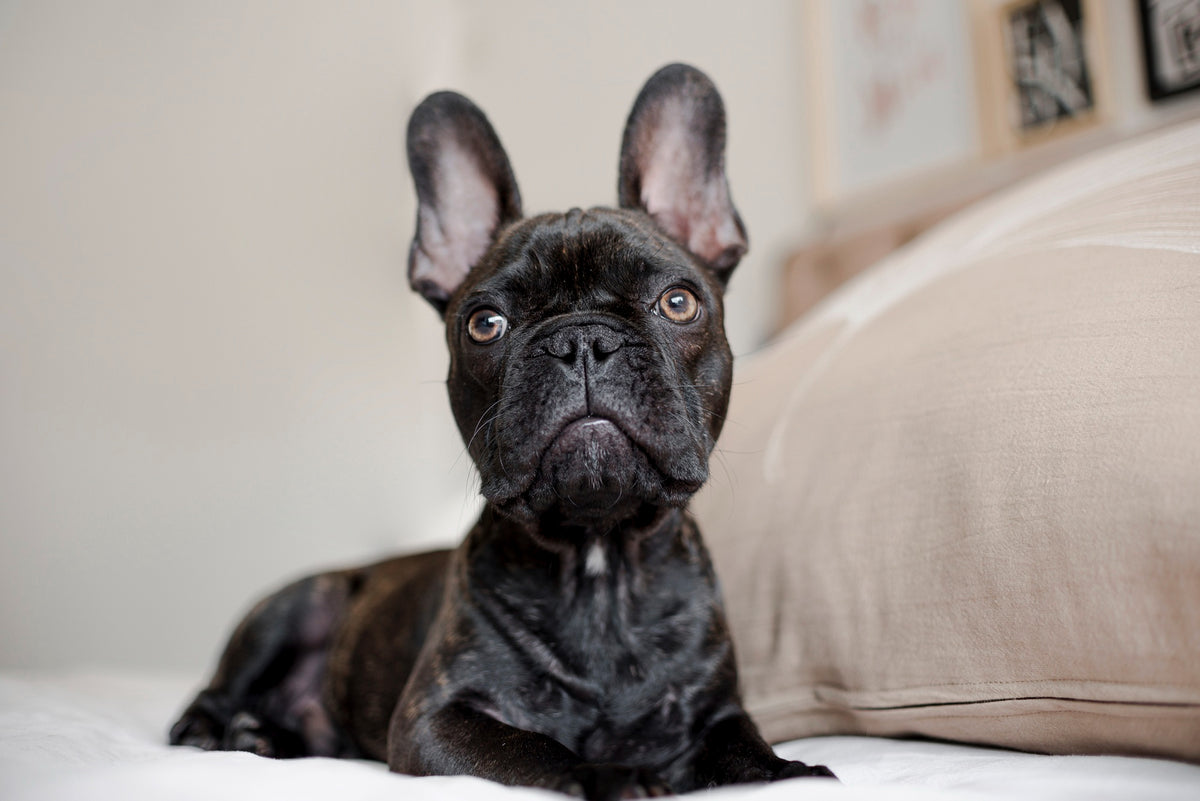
588,425
594,424
675,490
591,425
591,421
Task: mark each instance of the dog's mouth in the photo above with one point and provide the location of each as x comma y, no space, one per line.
590,463
591,433
593,471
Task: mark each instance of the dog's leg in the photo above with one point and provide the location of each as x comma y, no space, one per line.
265,695
459,739
734,752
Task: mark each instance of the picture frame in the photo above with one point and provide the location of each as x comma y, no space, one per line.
1170,47
1043,70
891,87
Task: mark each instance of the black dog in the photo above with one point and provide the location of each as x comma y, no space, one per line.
575,640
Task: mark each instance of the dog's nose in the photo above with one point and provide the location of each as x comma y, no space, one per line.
597,341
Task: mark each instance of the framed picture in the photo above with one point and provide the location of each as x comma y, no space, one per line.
892,92
1042,69
1171,46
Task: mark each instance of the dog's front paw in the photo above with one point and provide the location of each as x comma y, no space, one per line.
602,782
249,732
793,770
208,724
199,728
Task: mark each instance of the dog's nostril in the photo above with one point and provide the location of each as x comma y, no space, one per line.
602,349
563,349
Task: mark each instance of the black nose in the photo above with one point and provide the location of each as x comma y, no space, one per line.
595,342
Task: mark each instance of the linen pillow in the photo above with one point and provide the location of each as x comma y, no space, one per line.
962,499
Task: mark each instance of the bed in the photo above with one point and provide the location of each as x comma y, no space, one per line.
956,516
100,735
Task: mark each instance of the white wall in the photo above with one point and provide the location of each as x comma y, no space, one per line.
557,80
212,373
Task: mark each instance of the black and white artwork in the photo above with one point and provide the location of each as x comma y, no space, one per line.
1048,63
1171,46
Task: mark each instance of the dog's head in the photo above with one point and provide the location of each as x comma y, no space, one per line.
589,372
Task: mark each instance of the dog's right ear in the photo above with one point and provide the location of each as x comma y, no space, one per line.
465,193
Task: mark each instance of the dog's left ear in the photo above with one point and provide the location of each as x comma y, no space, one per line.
673,166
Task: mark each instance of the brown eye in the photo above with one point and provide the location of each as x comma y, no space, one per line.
679,305
486,326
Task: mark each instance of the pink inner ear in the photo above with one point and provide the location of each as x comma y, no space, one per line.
458,230
691,205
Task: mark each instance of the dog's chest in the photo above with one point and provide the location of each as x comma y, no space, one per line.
615,671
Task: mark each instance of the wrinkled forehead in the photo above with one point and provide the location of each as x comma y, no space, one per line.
582,259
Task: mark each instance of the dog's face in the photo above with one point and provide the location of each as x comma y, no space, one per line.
589,372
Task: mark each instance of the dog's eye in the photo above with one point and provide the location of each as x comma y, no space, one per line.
678,305
486,326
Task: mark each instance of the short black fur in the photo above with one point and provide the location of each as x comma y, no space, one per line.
575,640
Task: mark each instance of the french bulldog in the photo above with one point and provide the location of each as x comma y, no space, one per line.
575,640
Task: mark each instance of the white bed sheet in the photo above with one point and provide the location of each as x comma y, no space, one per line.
95,735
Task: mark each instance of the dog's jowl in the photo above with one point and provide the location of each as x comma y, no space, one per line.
575,640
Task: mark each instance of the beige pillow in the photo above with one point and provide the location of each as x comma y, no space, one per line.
962,499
